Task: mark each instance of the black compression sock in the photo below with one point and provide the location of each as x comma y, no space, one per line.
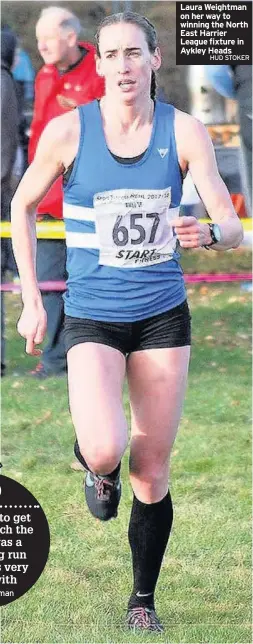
149,531
113,475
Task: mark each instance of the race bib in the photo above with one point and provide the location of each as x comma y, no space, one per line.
133,227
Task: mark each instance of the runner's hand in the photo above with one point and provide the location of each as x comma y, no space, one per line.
190,232
32,325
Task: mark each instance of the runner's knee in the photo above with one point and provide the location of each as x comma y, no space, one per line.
102,459
150,483
151,472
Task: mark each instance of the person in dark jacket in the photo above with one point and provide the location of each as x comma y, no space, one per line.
9,143
243,89
235,81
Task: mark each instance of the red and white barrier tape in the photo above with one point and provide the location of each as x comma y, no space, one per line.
189,279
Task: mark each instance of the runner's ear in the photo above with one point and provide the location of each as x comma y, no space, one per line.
98,66
156,59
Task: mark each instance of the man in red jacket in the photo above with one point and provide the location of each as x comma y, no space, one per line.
67,79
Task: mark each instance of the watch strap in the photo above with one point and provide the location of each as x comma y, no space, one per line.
213,238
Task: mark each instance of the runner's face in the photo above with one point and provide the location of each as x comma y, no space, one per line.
126,62
52,42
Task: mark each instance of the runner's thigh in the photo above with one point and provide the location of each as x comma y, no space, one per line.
95,379
157,382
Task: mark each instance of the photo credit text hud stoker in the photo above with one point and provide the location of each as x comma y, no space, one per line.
216,33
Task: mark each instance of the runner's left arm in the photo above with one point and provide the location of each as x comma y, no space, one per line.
195,151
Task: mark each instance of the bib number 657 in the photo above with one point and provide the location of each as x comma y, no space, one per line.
121,233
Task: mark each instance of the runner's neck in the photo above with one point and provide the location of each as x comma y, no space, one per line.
126,118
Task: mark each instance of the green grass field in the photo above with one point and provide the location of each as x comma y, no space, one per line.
204,589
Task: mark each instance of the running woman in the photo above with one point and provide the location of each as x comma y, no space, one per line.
126,311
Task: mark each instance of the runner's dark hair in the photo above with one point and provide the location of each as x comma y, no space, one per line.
141,22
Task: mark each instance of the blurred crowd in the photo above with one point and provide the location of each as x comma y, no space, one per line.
66,79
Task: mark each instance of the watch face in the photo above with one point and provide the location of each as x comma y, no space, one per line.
217,232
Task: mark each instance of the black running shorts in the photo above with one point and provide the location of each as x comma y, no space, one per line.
170,329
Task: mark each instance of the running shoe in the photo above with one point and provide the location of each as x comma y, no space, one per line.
142,618
102,492
102,495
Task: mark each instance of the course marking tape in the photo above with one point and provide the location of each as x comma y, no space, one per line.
190,279
56,230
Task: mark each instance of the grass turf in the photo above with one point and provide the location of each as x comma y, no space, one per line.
203,593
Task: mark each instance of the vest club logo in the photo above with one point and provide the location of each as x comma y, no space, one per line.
162,152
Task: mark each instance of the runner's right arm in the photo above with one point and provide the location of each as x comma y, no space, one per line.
40,175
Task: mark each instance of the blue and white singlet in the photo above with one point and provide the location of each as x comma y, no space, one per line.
122,261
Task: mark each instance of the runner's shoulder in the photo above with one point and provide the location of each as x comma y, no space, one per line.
191,135
62,129
188,123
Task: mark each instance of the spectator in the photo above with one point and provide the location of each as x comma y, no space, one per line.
235,81
23,73
67,79
9,142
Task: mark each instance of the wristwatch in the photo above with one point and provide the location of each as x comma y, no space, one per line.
215,233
